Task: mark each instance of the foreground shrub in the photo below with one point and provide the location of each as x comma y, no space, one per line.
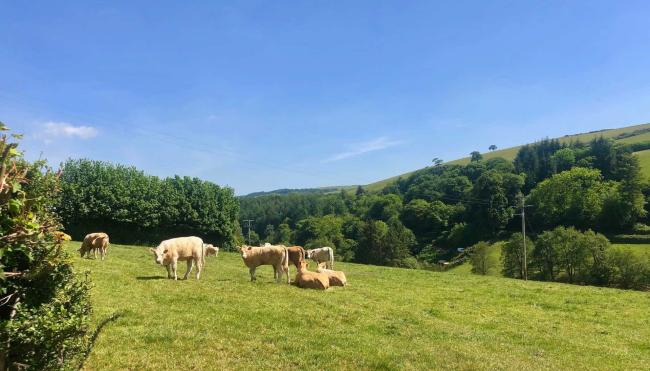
44,306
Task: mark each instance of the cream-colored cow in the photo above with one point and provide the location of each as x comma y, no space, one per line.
189,249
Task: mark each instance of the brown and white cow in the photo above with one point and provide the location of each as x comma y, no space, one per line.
94,241
322,255
276,256
189,249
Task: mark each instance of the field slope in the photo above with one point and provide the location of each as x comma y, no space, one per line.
387,318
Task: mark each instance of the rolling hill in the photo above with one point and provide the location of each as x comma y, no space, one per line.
387,318
628,134
625,135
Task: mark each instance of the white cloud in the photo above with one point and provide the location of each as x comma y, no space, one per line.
66,130
376,144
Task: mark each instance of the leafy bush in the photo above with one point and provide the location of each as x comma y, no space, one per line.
629,270
482,259
44,306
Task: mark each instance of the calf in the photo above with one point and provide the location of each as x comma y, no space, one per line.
276,256
322,255
189,249
296,255
94,241
311,280
336,278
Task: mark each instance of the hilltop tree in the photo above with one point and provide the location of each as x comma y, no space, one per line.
492,147
437,161
476,156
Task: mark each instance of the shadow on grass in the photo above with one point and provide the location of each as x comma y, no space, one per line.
91,343
149,278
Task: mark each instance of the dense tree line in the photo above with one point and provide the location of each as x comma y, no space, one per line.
426,216
133,207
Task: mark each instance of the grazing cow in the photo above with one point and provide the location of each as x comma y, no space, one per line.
336,278
189,249
276,256
296,255
94,241
311,280
208,250
322,255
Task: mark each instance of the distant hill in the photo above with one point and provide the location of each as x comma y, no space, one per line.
625,135
286,191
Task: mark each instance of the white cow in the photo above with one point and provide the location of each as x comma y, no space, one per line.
190,249
321,255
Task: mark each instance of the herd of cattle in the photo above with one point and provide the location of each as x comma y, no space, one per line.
193,251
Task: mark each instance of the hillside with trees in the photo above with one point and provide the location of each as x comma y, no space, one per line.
426,217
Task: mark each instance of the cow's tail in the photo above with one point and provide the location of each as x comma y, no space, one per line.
285,263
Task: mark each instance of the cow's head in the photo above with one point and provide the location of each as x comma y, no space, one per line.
244,251
308,254
159,255
82,250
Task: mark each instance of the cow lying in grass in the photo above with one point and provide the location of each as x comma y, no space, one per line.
311,280
94,241
336,278
322,255
276,256
189,249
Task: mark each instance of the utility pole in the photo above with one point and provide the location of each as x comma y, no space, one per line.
249,221
523,232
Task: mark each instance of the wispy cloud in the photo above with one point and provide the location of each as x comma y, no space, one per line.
358,149
67,130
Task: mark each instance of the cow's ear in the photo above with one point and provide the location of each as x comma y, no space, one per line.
152,250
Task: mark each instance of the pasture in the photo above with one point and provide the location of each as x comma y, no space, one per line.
387,318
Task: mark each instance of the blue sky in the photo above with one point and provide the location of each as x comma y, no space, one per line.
289,94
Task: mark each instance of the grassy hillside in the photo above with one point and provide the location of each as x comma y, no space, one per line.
510,153
387,318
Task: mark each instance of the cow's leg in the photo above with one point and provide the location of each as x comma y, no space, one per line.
169,271
286,271
276,272
252,272
199,268
103,252
94,253
174,266
190,264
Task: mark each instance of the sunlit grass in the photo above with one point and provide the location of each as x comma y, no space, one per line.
387,318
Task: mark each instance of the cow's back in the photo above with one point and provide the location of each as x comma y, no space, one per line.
183,247
265,255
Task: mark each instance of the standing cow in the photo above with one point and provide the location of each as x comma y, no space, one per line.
322,255
276,256
189,249
94,241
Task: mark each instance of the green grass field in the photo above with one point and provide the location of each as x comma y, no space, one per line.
387,318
